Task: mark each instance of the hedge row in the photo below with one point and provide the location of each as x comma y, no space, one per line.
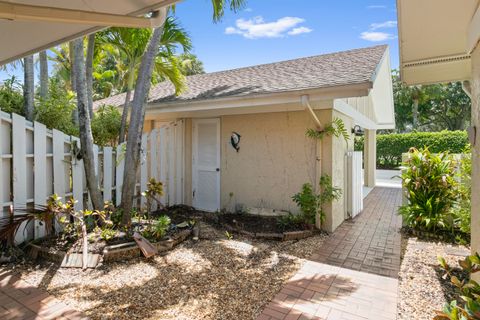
391,146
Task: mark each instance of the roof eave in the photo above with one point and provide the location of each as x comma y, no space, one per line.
293,96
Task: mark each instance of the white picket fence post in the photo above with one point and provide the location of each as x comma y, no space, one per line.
36,162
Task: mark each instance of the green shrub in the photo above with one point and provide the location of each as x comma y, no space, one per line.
158,229
390,147
311,203
106,125
56,110
431,190
11,97
467,306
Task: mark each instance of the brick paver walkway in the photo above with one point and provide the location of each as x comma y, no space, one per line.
353,276
21,301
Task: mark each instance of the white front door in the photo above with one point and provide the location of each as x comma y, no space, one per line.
206,164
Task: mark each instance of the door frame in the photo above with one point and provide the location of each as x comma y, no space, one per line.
195,123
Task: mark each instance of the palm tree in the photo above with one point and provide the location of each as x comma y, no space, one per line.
62,65
28,87
86,137
42,57
142,87
190,64
131,43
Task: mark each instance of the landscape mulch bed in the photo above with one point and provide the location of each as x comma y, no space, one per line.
244,221
422,285
213,278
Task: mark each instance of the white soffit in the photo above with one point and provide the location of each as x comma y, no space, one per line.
433,39
23,37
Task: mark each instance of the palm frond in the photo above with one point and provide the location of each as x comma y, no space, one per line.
219,7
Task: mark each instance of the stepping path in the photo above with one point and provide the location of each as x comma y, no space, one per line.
354,275
21,301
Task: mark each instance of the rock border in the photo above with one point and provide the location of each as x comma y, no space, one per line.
115,253
285,236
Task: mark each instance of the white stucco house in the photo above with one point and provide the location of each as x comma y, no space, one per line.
271,107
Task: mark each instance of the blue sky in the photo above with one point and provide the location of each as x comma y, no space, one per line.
274,30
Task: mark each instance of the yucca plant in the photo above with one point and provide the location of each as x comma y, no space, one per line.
431,189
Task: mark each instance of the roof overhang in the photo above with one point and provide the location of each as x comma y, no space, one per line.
436,38
258,103
369,104
29,26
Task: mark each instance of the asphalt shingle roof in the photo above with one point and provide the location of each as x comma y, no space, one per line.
328,70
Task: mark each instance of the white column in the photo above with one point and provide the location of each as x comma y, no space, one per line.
370,157
475,85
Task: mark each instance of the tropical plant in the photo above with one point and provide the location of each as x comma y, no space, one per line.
336,128
430,189
467,307
106,126
312,203
158,228
11,97
46,215
190,64
142,89
130,44
62,65
154,190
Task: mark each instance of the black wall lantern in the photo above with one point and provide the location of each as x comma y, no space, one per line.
358,131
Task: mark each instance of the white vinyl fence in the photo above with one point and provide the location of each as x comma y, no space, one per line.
37,162
354,183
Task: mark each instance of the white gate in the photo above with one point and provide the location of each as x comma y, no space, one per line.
354,183
36,162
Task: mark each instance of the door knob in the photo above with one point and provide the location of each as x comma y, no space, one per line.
218,169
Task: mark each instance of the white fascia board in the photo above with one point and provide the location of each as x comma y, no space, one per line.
261,100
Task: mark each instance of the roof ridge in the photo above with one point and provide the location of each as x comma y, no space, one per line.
290,60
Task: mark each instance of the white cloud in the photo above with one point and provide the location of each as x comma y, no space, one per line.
299,30
377,7
248,10
382,25
376,36
257,27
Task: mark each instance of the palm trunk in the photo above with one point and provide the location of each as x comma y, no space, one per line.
126,105
89,72
28,87
86,138
73,78
43,74
137,118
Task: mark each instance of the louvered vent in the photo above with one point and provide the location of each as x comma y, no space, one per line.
437,60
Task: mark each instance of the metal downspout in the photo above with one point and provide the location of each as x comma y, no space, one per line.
318,150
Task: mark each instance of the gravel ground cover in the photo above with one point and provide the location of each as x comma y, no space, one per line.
214,278
422,289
